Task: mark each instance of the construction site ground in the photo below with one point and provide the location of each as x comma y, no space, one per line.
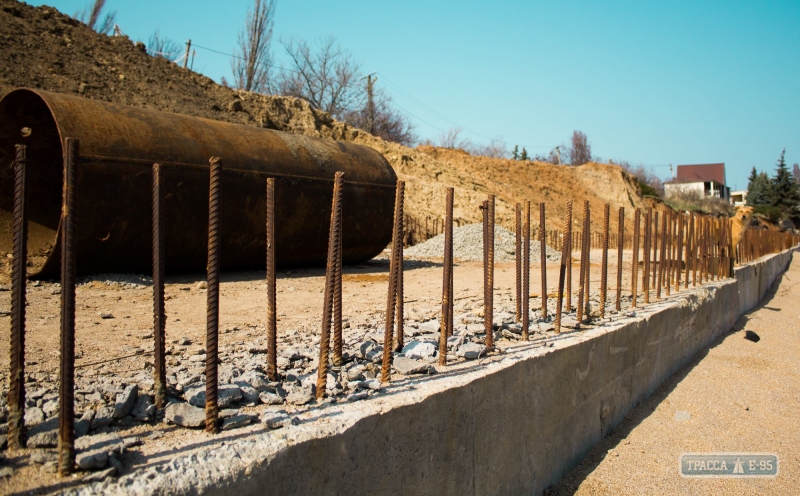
738,396
115,337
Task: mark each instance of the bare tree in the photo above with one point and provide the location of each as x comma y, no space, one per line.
160,46
450,139
580,150
388,123
796,173
251,62
91,14
650,183
325,75
497,148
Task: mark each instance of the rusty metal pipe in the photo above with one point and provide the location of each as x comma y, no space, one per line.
119,145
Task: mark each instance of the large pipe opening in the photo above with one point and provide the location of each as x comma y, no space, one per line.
118,146
26,120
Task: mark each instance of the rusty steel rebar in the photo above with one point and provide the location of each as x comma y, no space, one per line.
620,245
488,289
679,257
604,262
272,324
543,258
701,249
579,311
16,390
568,242
334,236
399,337
729,243
337,279
693,237
588,310
526,270
689,241
565,256
212,296
707,250
518,260
662,256
159,314
447,276
66,389
646,253
391,297
635,260
668,266
654,242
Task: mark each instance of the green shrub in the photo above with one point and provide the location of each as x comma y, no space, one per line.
772,214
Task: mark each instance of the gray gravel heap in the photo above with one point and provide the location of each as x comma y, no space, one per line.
468,245
127,281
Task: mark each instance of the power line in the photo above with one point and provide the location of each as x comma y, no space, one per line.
407,95
417,117
285,69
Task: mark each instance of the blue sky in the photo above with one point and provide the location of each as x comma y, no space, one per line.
649,82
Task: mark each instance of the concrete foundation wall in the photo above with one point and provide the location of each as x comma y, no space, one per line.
517,429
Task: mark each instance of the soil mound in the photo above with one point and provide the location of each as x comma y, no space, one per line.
45,49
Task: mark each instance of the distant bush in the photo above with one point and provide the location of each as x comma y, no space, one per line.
693,201
768,212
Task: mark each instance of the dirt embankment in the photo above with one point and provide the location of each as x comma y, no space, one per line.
45,49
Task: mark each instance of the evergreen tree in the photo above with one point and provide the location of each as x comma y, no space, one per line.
515,153
786,194
759,189
524,155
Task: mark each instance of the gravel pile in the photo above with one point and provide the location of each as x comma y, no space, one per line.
127,281
468,245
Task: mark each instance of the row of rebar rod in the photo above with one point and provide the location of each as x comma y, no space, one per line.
690,247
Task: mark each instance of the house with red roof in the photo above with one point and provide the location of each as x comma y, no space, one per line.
706,180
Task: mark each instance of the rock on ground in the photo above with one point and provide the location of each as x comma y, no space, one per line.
408,366
185,415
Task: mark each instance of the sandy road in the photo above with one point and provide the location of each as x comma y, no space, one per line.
740,396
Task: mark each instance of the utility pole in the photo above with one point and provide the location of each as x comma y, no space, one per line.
558,153
186,57
194,52
370,104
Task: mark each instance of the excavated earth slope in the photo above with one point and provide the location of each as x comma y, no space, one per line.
45,49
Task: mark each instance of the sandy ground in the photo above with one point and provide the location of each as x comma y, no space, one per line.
120,347
242,306
742,397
